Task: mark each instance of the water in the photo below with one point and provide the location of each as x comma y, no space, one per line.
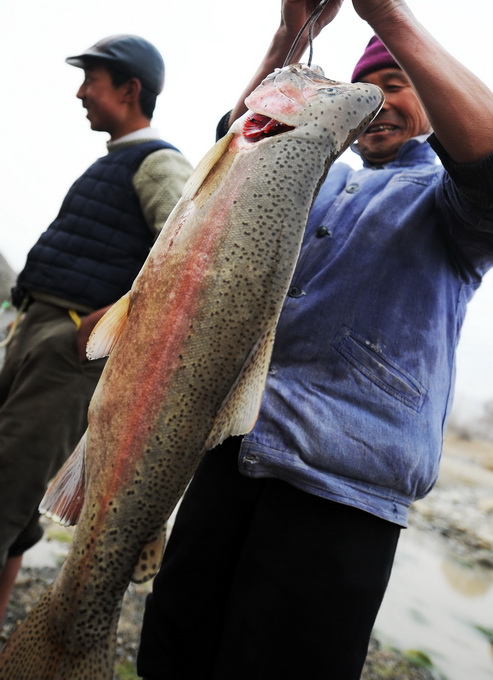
435,604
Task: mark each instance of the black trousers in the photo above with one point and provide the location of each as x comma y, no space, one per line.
261,581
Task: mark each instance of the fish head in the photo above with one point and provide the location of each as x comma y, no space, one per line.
301,101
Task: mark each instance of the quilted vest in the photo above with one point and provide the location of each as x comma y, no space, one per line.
97,244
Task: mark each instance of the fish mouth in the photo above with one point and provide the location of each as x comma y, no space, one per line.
258,126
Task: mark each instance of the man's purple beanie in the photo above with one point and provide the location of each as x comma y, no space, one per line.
375,57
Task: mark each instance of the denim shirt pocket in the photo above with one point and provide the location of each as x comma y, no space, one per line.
386,374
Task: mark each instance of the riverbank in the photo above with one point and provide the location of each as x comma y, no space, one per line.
460,507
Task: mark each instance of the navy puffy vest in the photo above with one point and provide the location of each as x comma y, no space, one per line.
96,246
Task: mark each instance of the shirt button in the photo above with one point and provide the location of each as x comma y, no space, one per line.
295,292
352,188
323,231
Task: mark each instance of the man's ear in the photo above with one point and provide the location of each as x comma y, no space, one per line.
132,89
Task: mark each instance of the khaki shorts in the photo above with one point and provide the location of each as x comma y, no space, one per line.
44,395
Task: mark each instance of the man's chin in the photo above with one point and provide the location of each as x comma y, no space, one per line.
378,154
96,127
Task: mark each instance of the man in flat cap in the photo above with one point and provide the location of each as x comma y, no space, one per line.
83,263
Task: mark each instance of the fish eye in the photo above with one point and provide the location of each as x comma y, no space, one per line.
329,90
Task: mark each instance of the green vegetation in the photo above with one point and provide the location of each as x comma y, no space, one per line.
55,532
487,632
126,671
419,658
388,663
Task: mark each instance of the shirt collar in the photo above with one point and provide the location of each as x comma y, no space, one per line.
414,146
137,135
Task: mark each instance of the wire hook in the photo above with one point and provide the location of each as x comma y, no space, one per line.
309,22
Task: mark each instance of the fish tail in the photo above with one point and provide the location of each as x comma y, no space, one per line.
36,652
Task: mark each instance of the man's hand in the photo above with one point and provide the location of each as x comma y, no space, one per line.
294,13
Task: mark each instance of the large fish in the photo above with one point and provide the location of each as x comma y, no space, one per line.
189,351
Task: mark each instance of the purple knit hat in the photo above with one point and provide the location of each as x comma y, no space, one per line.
375,57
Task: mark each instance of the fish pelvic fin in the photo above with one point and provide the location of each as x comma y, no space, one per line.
240,409
150,559
106,332
64,498
205,166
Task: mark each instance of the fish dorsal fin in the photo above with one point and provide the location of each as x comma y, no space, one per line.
150,558
65,496
240,408
205,166
106,332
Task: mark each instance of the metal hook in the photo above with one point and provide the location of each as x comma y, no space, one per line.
309,22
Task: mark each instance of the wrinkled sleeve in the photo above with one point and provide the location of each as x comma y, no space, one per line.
159,183
465,212
474,180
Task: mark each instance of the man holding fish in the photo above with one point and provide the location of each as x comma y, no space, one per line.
283,546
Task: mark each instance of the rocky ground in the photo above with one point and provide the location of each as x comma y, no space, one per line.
460,507
7,279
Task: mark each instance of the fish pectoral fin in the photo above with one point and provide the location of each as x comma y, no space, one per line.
65,496
106,332
205,166
240,409
150,559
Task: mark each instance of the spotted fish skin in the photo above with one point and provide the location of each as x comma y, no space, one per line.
190,348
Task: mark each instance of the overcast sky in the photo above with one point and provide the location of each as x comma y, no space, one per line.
211,48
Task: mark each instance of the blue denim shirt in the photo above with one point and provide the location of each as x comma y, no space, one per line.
362,373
